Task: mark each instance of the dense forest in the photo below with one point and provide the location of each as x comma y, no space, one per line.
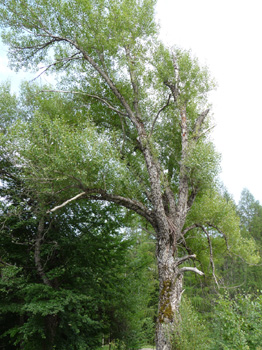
116,232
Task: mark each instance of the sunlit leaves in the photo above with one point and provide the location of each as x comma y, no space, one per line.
39,25
55,155
213,211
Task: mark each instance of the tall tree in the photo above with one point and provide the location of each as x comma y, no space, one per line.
137,131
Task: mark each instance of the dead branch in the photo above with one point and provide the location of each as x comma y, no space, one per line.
210,254
157,115
65,203
193,269
180,261
5,263
198,123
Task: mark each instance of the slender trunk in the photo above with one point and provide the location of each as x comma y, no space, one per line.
170,291
51,324
37,255
51,321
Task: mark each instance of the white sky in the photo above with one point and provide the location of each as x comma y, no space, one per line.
225,35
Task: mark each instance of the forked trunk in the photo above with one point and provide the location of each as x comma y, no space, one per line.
170,292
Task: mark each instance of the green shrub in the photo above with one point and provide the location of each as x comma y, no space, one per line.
237,323
192,333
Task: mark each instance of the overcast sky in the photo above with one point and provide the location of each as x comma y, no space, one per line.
226,36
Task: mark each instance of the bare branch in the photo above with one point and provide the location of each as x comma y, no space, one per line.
133,79
189,228
180,261
134,205
174,87
62,60
36,47
157,115
221,232
65,203
199,122
5,263
205,131
193,269
101,194
210,255
152,233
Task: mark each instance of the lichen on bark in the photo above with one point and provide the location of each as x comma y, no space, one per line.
165,310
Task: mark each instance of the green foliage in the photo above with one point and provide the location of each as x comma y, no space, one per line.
8,106
212,209
102,280
192,332
237,323
120,22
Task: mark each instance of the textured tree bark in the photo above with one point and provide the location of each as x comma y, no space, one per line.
170,292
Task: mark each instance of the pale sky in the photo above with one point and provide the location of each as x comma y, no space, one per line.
226,36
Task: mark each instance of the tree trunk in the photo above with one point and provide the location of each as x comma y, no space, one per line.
51,324
170,291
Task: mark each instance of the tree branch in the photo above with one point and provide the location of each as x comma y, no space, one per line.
62,60
189,228
193,269
198,123
180,261
134,205
89,95
66,202
221,232
211,255
157,115
133,79
37,253
192,198
99,194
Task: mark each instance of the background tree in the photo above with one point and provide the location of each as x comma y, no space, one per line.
83,281
142,137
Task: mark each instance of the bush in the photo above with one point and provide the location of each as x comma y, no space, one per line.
192,333
237,323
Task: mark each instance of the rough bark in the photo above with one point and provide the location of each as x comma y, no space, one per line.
170,292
